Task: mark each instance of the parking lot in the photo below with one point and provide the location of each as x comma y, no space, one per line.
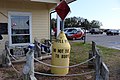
104,40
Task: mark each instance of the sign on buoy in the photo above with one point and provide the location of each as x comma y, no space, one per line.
60,54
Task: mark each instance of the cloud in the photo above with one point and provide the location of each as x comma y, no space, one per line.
116,9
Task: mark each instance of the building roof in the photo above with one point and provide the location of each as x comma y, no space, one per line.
46,1
69,1
53,1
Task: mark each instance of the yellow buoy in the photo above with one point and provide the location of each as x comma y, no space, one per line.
60,54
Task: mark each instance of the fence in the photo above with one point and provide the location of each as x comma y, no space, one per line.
18,53
101,70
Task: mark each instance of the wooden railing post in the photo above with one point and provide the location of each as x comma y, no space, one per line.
101,70
28,70
91,63
104,72
37,48
93,47
5,56
97,66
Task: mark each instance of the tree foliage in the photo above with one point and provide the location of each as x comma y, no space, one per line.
95,24
79,22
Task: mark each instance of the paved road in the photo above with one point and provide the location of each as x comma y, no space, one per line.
104,40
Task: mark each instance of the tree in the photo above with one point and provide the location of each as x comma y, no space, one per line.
78,22
71,22
85,24
95,24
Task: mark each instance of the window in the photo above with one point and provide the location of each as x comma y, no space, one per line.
19,28
3,28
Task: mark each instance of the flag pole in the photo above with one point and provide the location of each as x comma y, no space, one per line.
58,25
62,26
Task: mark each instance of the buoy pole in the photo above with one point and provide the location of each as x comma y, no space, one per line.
58,25
61,46
62,27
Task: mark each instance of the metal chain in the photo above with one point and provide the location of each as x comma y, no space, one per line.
64,66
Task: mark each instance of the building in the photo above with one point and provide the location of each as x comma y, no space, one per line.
23,20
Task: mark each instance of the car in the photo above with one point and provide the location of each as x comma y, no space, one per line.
74,33
119,31
112,32
96,31
87,31
105,30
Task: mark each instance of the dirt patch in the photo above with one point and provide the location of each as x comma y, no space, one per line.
10,74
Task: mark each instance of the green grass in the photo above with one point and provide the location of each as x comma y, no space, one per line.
79,53
111,57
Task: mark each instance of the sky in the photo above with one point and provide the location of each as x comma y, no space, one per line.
105,11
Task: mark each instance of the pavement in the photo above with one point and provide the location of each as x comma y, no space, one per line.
103,40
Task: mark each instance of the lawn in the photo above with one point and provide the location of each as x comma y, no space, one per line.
110,56
80,51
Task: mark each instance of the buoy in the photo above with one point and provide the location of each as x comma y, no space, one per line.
60,54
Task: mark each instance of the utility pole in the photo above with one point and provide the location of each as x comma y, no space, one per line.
85,24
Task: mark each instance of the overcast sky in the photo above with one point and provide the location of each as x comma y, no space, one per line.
105,11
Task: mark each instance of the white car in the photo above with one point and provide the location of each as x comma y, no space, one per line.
74,33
